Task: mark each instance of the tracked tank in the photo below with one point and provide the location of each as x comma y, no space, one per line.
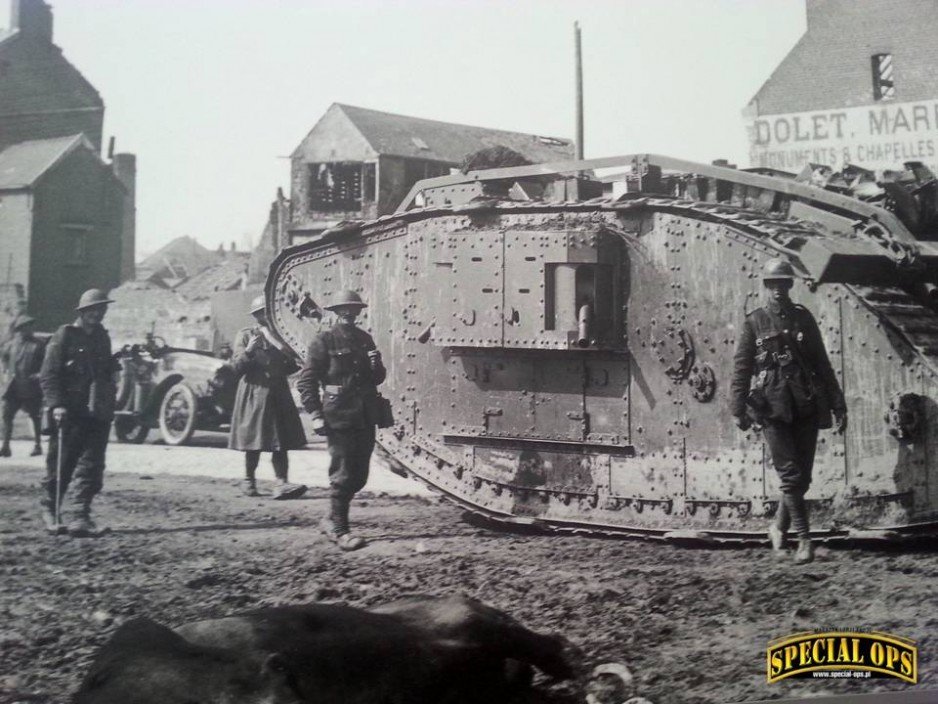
559,347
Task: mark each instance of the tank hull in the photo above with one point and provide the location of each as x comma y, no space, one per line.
509,407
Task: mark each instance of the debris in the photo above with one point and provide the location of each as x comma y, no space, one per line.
102,618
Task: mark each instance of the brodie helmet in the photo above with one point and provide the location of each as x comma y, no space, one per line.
778,270
258,305
346,298
91,298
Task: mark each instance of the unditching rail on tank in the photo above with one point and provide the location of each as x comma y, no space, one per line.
756,193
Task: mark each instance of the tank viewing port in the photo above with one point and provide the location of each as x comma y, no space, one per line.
580,300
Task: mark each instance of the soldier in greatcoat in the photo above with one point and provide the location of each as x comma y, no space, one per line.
265,417
79,389
793,394
344,362
22,360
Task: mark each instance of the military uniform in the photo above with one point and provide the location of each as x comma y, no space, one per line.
794,392
78,375
264,417
22,358
338,363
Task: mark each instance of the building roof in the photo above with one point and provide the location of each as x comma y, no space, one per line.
228,275
22,164
44,79
414,137
181,258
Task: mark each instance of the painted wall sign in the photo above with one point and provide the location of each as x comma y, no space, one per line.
877,136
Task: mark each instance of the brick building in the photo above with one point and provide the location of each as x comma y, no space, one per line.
43,94
61,215
67,217
359,164
859,87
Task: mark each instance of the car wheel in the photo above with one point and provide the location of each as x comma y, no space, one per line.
127,429
177,414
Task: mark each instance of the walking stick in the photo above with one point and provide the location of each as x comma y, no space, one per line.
58,473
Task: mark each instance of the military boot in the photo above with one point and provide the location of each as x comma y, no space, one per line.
81,525
52,526
36,451
5,451
285,490
249,487
336,526
805,552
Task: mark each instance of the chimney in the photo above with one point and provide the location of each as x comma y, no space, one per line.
32,18
125,168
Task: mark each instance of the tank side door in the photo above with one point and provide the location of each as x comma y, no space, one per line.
530,256
471,278
606,375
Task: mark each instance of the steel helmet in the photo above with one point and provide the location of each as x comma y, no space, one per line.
778,270
346,298
91,298
22,321
258,305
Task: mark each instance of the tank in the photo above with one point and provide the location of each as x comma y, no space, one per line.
560,346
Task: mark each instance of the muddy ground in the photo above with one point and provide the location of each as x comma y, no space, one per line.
691,624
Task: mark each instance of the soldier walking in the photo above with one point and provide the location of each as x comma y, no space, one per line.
345,363
22,359
264,418
793,394
77,381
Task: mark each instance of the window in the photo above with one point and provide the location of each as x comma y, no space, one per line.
335,186
884,87
76,244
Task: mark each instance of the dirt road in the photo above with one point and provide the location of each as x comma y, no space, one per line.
691,624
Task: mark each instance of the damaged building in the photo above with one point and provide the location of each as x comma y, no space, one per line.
358,164
67,215
186,294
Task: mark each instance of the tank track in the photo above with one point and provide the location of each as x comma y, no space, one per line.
914,321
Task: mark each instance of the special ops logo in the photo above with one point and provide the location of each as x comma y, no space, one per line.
842,654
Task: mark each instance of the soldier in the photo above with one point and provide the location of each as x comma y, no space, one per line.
77,381
264,418
346,364
794,392
22,359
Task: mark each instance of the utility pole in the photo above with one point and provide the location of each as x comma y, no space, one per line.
579,92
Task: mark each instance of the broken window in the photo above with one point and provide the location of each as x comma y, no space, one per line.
335,186
884,87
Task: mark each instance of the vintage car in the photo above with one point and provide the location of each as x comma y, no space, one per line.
177,390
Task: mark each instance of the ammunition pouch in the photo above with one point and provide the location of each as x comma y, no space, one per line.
384,414
758,407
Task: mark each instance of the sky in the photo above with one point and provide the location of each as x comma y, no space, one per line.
213,95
